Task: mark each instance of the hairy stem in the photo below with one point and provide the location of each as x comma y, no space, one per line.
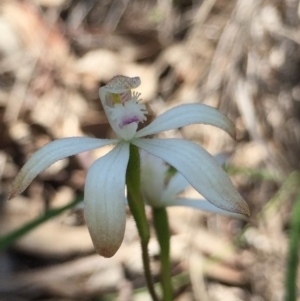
137,208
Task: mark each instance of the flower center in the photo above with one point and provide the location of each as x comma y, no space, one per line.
125,108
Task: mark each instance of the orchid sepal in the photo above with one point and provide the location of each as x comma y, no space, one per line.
188,114
51,153
200,169
104,199
200,204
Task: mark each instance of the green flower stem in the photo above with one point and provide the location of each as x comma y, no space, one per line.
137,209
10,238
293,258
161,225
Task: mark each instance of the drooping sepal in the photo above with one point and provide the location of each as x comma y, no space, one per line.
104,199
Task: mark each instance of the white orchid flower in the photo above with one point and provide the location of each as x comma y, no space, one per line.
158,192
105,182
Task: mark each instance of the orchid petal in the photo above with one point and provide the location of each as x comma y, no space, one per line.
104,200
177,184
200,204
185,115
49,154
200,169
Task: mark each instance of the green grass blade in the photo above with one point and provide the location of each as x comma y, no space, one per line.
293,258
10,238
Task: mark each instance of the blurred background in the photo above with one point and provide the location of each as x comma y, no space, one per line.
242,57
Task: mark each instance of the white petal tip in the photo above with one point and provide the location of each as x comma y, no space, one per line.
19,185
11,195
106,252
105,245
243,209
